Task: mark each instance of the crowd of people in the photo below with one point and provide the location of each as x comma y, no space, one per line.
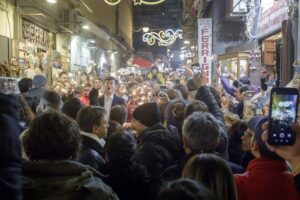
158,136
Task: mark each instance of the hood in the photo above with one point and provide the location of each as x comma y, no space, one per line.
53,175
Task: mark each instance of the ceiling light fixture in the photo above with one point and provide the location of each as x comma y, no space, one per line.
52,1
85,27
186,42
193,47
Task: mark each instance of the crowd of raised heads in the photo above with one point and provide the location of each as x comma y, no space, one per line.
157,136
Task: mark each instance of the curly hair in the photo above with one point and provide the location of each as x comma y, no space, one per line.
52,136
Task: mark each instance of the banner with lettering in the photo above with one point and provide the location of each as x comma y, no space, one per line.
271,15
205,46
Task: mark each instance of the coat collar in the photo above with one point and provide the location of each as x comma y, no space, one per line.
267,164
94,137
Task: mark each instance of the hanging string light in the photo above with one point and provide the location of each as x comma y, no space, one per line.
135,2
164,38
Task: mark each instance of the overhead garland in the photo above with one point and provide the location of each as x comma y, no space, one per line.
135,2
164,38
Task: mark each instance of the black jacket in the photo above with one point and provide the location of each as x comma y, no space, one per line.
92,153
116,101
158,149
204,94
63,180
10,149
130,182
174,172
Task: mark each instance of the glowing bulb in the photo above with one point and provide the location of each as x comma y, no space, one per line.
186,42
51,1
145,29
193,47
86,27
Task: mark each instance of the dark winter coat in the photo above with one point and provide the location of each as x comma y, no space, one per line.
63,180
158,149
10,149
174,172
204,94
91,153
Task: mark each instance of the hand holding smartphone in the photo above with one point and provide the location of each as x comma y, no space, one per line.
283,112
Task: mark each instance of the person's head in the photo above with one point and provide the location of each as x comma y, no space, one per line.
25,84
113,127
118,113
235,134
91,119
49,101
71,107
245,80
248,134
213,172
216,96
186,189
86,90
195,106
63,77
258,146
190,84
93,95
122,89
120,148
200,132
173,94
154,70
109,85
145,116
174,114
39,81
182,89
240,91
97,83
52,136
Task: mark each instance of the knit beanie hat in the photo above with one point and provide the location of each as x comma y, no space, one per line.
148,114
255,124
39,81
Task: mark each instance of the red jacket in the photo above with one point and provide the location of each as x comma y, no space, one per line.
266,179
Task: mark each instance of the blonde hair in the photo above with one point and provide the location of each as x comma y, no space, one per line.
212,171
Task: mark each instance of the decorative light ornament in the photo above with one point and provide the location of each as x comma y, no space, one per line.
135,2
164,38
145,29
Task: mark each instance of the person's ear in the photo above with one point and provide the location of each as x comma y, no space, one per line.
254,145
94,129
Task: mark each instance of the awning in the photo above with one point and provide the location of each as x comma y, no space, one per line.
142,62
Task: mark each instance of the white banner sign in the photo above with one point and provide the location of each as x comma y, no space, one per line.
271,15
205,46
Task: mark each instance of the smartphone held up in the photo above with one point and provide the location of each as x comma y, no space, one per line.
282,113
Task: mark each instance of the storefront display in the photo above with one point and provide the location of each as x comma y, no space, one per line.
237,64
